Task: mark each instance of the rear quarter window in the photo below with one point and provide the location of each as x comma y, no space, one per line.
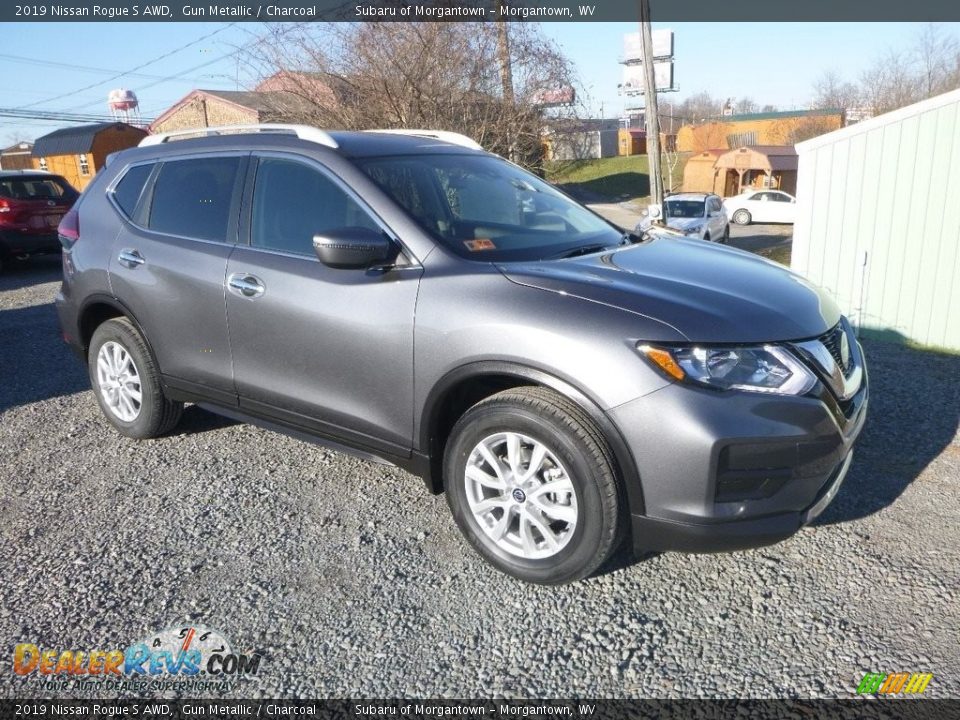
128,190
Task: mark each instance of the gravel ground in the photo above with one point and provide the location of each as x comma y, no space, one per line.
352,581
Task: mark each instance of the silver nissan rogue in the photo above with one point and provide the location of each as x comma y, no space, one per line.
408,297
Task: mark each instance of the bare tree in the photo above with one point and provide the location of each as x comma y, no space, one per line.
745,106
699,108
937,59
831,92
412,75
898,77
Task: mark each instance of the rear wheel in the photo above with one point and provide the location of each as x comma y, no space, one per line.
532,485
742,217
127,383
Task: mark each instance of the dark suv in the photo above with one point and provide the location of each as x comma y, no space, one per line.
409,297
32,203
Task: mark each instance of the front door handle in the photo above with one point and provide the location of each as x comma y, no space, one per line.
246,285
131,258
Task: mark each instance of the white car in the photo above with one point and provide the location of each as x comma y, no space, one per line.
699,215
761,206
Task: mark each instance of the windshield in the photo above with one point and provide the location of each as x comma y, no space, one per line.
32,187
484,208
684,209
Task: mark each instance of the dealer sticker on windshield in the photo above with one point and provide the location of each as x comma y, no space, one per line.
478,245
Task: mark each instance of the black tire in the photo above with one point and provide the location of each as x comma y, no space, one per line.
706,237
157,415
742,217
580,447
726,234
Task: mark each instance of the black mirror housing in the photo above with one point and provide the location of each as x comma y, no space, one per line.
352,248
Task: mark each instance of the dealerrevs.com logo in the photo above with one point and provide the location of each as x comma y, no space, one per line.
172,656
894,683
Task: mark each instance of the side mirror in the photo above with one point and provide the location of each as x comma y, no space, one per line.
352,248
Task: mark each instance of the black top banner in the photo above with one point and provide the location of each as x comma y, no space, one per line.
482,11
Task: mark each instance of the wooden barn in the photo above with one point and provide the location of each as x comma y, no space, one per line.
759,166
78,152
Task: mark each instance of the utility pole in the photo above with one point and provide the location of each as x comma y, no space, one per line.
506,76
650,103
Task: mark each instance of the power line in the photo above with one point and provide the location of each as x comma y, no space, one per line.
59,116
72,66
178,76
132,70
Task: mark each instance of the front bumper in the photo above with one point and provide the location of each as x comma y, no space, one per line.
735,470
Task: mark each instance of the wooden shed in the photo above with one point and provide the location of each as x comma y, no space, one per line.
16,157
757,166
632,141
700,173
78,152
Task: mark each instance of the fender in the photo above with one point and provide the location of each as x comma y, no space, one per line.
534,376
120,307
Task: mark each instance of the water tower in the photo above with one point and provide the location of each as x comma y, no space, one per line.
124,106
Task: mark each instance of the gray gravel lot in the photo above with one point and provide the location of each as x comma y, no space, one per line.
352,581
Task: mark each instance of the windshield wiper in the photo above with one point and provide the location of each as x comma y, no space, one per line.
583,250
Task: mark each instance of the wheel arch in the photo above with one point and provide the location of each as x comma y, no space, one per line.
96,310
467,385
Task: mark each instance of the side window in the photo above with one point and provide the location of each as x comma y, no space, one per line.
714,205
780,197
127,192
292,202
192,197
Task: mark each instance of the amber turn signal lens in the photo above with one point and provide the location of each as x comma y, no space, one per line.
663,360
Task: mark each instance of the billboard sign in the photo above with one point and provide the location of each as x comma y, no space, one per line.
555,97
662,46
633,77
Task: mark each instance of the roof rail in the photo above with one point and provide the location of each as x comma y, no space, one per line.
304,132
442,135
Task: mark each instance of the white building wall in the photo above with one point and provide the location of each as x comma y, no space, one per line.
878,221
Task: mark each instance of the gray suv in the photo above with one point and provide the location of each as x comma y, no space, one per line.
410,298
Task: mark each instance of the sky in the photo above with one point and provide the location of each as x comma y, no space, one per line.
72,66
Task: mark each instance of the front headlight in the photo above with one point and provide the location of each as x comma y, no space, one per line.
767,368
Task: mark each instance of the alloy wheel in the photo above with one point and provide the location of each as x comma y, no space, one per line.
119,381
521,495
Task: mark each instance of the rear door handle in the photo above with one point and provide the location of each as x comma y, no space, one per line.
131,258
245,285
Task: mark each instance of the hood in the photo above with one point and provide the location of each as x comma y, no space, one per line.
708,292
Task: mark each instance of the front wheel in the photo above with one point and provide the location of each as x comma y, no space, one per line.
532,485
726,234
742,217
126,382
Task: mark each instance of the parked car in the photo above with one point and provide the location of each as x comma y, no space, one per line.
32,203
565,383
761,206
699,215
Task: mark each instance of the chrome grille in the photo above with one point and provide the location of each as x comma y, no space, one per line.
831,341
